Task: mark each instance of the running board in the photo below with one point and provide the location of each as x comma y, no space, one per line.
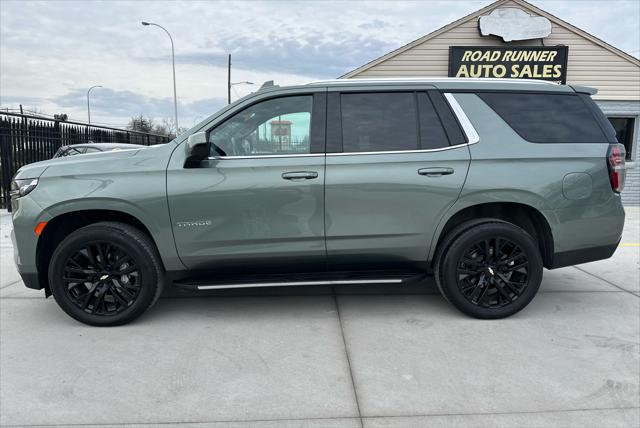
291,284
270,282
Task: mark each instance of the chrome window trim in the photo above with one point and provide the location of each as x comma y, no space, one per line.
467,126
295,155
394,152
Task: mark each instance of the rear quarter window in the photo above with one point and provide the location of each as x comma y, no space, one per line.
547,118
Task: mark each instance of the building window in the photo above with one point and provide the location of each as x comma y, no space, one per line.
624,127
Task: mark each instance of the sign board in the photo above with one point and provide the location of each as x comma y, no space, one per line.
516,62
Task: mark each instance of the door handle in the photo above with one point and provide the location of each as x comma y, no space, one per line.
300,175
435,172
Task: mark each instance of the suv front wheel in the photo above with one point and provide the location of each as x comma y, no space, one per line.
489,269
106,274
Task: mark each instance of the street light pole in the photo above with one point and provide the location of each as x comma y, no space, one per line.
229,80
232,84
88,105
173,63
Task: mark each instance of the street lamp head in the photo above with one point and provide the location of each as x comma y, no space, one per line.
145,23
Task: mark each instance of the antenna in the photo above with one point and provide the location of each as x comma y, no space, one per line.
267,84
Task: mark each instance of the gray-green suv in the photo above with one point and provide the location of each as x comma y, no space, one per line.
480,182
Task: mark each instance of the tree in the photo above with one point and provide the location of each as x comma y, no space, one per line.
141,124
148,125
168,128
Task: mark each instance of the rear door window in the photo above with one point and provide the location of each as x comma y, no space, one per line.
379,122
432,134
547,118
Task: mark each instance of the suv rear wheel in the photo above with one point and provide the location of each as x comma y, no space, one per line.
489,268
105,274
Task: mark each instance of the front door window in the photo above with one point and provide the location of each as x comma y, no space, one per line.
279,126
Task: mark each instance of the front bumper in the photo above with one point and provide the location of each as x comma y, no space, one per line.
25,216
30,278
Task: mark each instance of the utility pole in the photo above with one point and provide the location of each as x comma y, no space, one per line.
229,80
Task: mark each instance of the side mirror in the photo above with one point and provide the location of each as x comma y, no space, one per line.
197,148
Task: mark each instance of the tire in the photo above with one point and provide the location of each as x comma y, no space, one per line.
489,268
106,274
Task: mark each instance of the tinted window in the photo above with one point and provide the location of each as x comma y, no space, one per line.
379,122
432,133
448,119
547,118
605,125
271,127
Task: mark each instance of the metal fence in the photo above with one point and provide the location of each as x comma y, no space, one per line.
26,139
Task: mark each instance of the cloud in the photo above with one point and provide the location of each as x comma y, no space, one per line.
311,55
107,103
51,51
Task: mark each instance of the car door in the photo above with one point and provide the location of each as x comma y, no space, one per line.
257,203
396,161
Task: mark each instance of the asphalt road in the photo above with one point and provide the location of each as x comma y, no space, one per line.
323,357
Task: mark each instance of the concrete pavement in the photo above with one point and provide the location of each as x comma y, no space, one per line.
319,357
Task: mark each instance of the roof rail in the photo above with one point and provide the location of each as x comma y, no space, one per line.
427,80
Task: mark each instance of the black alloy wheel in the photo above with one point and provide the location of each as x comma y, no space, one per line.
106,274
489,268
493,273
102,278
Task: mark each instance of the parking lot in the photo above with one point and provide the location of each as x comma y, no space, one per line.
332,357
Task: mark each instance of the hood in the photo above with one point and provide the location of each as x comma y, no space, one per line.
94,160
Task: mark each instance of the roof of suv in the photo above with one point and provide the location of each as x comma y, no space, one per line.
453,83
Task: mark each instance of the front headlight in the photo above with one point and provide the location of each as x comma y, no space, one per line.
22,187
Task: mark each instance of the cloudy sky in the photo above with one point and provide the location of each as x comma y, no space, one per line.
51,52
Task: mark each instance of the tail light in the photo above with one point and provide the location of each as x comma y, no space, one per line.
617,168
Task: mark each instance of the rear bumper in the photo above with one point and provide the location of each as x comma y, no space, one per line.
584,255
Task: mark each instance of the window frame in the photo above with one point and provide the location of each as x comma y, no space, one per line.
335,145
317,126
